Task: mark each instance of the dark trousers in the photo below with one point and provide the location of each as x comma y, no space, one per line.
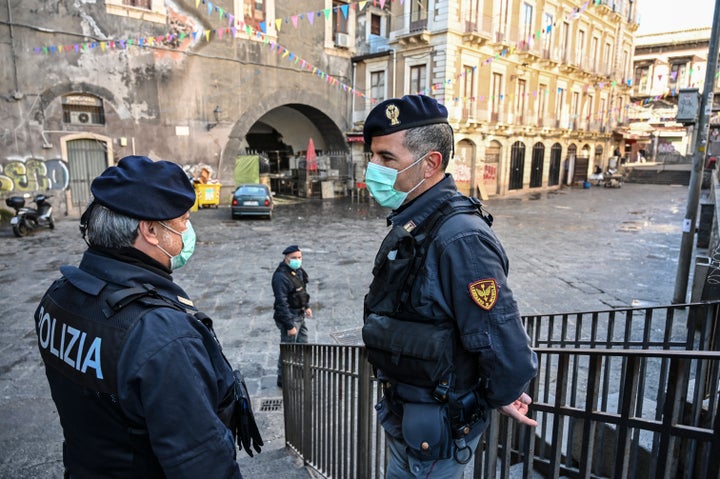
300,337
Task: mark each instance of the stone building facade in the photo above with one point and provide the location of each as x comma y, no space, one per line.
663,65
85,83
535,88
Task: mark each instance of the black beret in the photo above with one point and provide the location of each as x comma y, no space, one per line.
144,189
291,249
396,114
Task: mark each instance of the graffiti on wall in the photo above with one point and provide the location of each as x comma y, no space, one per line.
33,174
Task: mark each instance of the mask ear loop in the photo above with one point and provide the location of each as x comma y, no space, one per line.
84,219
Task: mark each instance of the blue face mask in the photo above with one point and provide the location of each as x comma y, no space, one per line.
188,240
295,263
380,181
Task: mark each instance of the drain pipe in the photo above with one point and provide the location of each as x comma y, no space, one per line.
12,49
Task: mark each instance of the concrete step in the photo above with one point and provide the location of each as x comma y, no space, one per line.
658,177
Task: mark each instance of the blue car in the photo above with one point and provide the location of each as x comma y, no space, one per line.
252,200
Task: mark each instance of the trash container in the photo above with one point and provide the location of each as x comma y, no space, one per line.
208,194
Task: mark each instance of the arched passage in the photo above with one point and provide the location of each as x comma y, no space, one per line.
462,167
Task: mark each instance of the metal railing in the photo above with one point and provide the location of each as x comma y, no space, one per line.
620,393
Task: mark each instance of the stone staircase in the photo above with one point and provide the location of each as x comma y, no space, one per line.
658,174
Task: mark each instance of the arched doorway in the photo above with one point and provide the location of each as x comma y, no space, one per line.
570,164
536,165
582,165
598,161
490,167
306,152
517,165
555,160
462,167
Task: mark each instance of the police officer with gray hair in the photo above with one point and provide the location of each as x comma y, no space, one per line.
441,326
136,372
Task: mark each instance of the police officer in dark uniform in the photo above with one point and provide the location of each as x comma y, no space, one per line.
441,326
138,377
292,301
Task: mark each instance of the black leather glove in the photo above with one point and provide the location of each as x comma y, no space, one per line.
246,430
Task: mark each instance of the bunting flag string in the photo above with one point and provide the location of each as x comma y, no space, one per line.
236,26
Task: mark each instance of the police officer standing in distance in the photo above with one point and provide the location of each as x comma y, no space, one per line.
138,377
292,301
441,326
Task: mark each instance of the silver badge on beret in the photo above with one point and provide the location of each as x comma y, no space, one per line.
392,113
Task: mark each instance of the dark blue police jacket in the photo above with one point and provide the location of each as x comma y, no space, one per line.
139,399
464,281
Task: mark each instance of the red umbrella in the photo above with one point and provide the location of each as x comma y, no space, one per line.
311,156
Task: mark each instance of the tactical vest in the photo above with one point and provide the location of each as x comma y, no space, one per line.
403,344
81,337
299,297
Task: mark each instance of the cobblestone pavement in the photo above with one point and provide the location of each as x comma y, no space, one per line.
571,250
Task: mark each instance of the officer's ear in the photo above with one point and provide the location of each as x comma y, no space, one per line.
148,232
433,164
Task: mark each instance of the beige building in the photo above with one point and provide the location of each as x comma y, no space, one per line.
664,64
535,88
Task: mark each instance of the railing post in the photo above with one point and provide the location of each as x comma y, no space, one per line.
307,409
365,410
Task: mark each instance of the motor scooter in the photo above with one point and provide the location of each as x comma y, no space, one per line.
27,219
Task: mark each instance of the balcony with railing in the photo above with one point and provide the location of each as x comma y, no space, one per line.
478,32
414,30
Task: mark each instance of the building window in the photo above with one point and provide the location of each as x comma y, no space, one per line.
418,79
542,104
83,110
497,93
594,53
377,85
575,109
501,20
678,75
340,21
473,18
642,78
547,34
147,10
580,50
468,93
565,35
375,24
146,4
526,27
418,15
520,101
607,59
254,12
559,104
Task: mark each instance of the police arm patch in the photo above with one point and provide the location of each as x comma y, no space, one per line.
484,292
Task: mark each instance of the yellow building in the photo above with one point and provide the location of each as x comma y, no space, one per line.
534,88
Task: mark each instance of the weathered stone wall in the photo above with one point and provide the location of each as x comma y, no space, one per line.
158,100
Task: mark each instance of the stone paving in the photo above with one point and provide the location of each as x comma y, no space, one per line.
570,250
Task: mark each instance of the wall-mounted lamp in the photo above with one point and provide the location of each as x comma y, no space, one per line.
216,114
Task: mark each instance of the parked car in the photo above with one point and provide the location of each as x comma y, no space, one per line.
252,200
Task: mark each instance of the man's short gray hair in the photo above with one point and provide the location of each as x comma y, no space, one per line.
108,229
437,137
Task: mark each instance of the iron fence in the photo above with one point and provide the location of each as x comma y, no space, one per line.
619,393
